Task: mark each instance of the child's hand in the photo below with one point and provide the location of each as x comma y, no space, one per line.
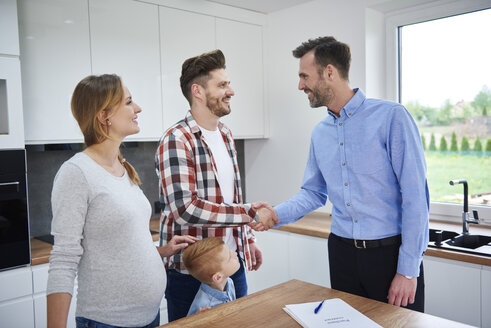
203,309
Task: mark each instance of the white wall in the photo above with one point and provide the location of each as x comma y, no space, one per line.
274,167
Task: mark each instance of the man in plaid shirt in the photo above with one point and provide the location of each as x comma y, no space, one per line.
199,181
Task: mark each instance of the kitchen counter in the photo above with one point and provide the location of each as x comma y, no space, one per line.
316,224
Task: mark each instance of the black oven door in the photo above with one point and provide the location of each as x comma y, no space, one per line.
14,220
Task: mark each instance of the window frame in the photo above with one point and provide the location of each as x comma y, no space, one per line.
418,14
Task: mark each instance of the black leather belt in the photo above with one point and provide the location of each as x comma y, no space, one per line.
389,241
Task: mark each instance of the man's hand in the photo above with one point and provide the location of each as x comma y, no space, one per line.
256,256
402,290
267,217
176,244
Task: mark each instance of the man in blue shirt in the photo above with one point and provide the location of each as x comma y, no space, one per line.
367,158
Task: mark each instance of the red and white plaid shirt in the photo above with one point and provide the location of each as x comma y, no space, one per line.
190,194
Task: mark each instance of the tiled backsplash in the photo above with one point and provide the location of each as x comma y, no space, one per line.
44,161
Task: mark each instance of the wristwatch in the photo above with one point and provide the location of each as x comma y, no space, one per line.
409,277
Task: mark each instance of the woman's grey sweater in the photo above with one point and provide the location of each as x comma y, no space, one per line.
101,230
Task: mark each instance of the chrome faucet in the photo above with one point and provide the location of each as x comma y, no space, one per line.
465,213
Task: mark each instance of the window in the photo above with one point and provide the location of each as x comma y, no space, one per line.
443,77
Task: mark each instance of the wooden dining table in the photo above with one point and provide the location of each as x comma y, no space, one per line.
265,309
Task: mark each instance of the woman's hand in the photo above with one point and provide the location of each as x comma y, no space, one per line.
176,244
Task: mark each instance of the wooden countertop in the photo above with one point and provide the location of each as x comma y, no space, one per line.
265,309
316,224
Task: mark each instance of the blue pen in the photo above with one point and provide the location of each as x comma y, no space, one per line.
317,309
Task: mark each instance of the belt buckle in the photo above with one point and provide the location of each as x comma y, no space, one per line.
363,245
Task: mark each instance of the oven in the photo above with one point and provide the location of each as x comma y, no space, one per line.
14,216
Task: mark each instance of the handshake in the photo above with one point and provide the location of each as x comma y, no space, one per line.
267,217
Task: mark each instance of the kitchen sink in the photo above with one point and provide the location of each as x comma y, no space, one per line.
451,240
470,241
445,234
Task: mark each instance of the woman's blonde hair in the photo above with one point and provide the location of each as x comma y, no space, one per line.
93,95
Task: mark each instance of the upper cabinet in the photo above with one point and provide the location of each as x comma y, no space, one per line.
11,119
242,45
55,56
63,41
124,37
9,32
183,35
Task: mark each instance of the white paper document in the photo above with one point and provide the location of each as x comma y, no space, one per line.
334,313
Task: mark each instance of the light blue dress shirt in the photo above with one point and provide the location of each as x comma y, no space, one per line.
370,164
208,296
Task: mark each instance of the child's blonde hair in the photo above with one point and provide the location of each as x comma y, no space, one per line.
200,258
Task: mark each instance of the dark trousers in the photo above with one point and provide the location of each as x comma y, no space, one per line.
182,288
368,272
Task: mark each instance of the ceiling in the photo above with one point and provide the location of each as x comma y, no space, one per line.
262,6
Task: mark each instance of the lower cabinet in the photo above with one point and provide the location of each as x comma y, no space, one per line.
163,303
308,259
17,313
486,297
16,305
289,256
40,282
163,312
274,270
453,290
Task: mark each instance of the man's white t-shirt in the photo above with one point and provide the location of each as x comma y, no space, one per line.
225,172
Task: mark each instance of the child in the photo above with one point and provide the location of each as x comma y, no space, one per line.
212,262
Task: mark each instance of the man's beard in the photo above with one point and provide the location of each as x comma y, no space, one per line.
322,95
216,106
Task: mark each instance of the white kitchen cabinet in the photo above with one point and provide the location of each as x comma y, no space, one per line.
163,303
179,41
11,118
163,312
124,38
289,256
9,31
55,56
17,313
308,259
40,281
486,297
242,45
453,290
275,267
61,42
16,303
15,283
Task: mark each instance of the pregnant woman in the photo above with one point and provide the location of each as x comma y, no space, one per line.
101,221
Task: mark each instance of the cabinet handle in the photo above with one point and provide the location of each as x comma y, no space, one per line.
9,183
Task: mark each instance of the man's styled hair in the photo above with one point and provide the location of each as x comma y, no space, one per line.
327,50
197,70
200,258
